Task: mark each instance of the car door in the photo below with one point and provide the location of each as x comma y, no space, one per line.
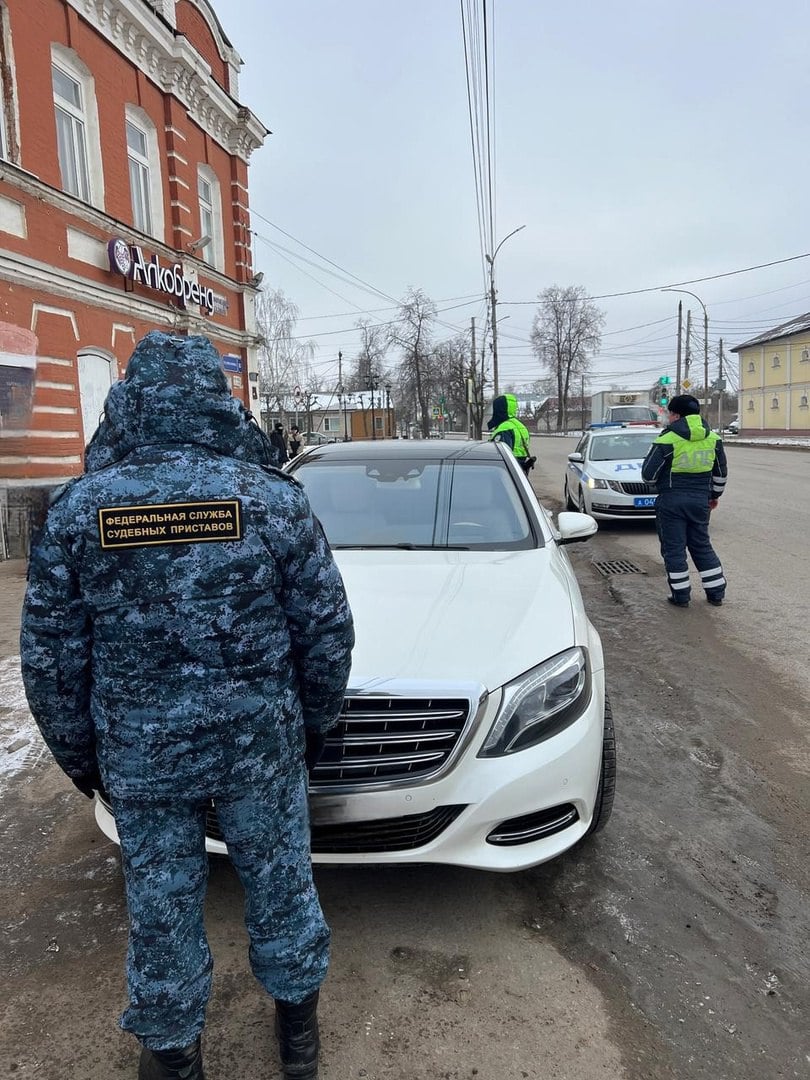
576,468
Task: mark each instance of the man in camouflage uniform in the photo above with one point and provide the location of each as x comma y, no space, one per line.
186,637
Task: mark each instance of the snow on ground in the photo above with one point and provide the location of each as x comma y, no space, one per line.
21,745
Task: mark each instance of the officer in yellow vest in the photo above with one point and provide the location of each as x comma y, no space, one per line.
506,428
687,463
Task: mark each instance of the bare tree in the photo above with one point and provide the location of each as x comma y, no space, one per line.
412,333
285,361
369,364
566,332
447,373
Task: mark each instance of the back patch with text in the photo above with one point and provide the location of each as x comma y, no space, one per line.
169,523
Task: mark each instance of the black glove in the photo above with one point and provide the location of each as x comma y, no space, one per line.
90,783
316,741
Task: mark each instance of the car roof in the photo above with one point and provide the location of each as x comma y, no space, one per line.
624,429
399,449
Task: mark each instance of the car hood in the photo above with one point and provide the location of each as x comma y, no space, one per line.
625,469
458,616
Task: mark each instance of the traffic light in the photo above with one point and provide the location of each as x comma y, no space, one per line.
664,382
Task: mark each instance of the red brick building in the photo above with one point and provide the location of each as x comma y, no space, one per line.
123,208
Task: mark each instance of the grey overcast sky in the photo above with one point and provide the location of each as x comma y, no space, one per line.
640,143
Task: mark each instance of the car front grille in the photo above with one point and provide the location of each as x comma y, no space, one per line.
633,487
379,740
366,837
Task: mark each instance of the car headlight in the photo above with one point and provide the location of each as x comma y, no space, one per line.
596,482
540,704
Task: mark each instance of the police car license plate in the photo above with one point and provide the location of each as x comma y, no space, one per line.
644,500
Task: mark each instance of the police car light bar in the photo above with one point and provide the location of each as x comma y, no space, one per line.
624,424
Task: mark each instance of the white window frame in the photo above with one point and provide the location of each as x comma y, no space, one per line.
211,218
751,367
776,362
774,402
750,405
69,64
9,107
803,403
149,164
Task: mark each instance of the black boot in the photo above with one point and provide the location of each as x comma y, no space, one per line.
297,1030
185,1064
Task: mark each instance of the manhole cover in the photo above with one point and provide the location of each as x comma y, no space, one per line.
618,566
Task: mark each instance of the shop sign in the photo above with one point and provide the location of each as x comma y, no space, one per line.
128,260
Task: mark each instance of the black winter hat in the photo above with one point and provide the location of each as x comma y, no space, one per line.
684,405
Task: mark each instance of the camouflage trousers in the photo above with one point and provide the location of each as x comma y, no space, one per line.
169,964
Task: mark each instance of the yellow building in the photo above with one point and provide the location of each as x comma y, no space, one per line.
775,380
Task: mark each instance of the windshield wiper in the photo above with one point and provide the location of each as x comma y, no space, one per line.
402,546
406,546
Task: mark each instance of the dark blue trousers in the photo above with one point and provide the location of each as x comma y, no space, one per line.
169,963
682,520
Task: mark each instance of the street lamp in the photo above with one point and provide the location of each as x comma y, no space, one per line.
492,301
341,396
705,340
387,389
371,384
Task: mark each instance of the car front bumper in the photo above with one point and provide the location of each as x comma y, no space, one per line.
613,505
550,789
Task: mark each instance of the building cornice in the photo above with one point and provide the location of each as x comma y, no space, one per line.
175,66
83,212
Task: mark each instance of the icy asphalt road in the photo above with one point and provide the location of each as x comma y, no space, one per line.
676,945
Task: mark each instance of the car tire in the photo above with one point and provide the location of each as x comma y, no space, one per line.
606,789
569,502
581,504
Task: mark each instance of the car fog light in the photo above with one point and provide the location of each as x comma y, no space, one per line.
540,704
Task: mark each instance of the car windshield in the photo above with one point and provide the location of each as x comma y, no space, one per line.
622,446
622,413
417,503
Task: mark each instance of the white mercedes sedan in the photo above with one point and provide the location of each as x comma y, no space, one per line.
476,729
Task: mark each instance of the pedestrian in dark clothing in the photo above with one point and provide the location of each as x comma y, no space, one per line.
294,441
687,463
186,637
280,443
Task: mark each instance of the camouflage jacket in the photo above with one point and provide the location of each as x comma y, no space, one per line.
184,618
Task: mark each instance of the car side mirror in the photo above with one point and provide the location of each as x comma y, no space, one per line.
574,527
576,456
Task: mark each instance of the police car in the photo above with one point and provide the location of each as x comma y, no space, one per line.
603,474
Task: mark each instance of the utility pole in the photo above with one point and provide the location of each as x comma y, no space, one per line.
688,357
722,389
582,401
706,353
493,301
471,384
678,360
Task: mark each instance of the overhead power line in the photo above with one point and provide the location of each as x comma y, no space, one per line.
673,284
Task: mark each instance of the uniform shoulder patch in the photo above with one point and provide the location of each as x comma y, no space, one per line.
154,524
